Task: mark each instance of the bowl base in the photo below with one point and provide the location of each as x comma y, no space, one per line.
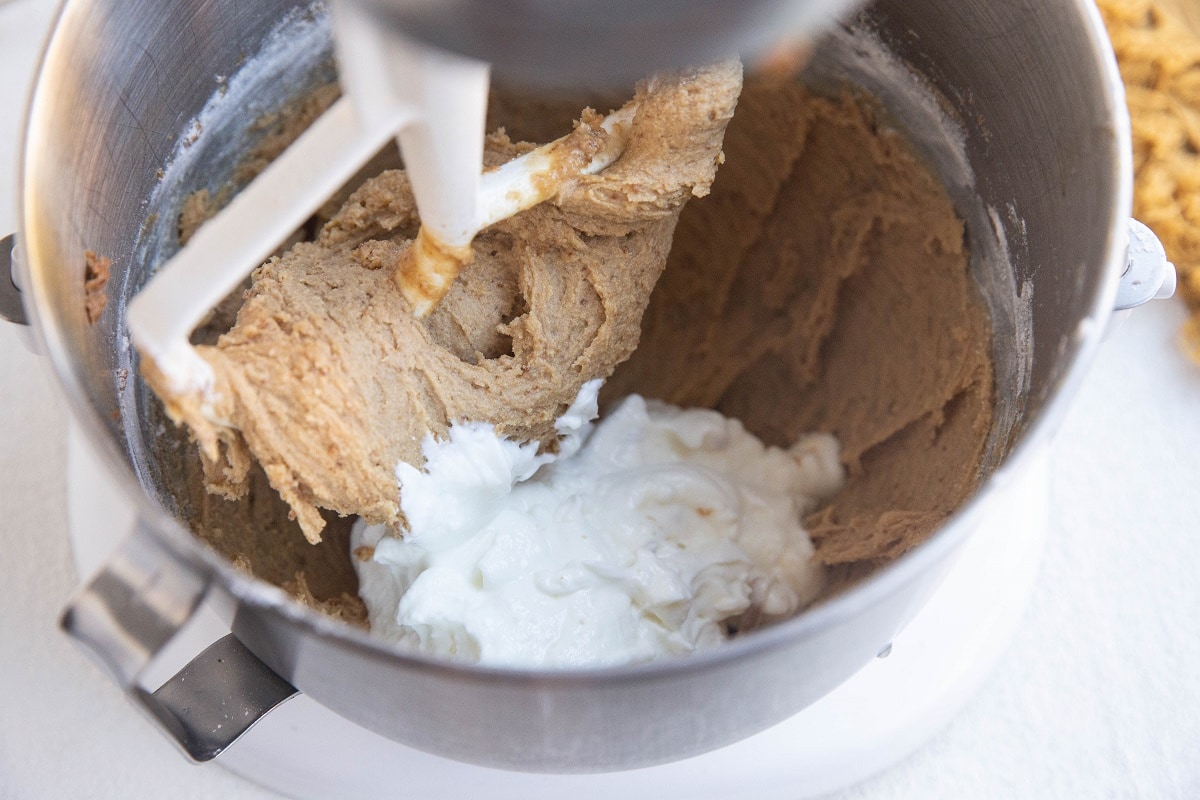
876,718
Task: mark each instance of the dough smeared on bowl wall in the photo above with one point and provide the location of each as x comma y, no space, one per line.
823,285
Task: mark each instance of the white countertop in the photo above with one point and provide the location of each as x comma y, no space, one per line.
1096,697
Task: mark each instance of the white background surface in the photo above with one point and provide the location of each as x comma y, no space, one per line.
1098,695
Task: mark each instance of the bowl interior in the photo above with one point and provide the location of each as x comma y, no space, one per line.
140,103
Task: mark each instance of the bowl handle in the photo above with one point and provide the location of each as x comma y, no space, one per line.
128,613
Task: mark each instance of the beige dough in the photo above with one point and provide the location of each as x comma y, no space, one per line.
327,381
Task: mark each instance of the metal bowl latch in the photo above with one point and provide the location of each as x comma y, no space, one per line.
127,615
1148,274
11,307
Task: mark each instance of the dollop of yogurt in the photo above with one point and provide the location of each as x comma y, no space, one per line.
654,532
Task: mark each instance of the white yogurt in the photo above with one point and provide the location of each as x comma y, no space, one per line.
649,534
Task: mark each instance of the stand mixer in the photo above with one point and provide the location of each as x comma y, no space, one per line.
328,663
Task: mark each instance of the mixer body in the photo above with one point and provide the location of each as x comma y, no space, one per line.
590,42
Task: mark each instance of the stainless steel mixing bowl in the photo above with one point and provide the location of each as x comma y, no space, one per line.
1036,156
